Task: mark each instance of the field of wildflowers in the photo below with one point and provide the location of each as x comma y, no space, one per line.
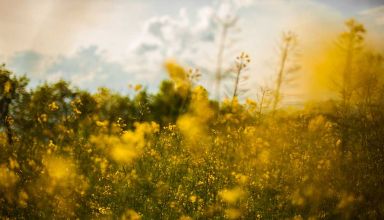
177,154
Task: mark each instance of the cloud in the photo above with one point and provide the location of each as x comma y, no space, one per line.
87,68
23,62
191,38
373,19
376,14
171,35
182,37
62,26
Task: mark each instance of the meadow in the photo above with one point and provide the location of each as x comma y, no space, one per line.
67,153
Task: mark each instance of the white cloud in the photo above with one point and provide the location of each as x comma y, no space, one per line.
87,68
373,19
190,38
376,14
62,26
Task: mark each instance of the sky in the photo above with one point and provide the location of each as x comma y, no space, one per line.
115,43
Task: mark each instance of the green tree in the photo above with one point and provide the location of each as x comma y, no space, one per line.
11,89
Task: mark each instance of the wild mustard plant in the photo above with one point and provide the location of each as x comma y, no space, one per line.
68,153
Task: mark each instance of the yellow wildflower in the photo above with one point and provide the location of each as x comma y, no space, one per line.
53,106
102,123
232,195
193,198
137,87
131,214
58,168
8,178
7,87
232,213
179,76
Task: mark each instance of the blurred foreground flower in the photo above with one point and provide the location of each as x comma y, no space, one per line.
179,76
232,195
128,146
193,125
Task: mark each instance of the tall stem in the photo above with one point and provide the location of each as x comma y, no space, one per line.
236,83
219,64
280,75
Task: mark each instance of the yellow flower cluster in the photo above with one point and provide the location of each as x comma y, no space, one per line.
179,76
193,124
129,145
